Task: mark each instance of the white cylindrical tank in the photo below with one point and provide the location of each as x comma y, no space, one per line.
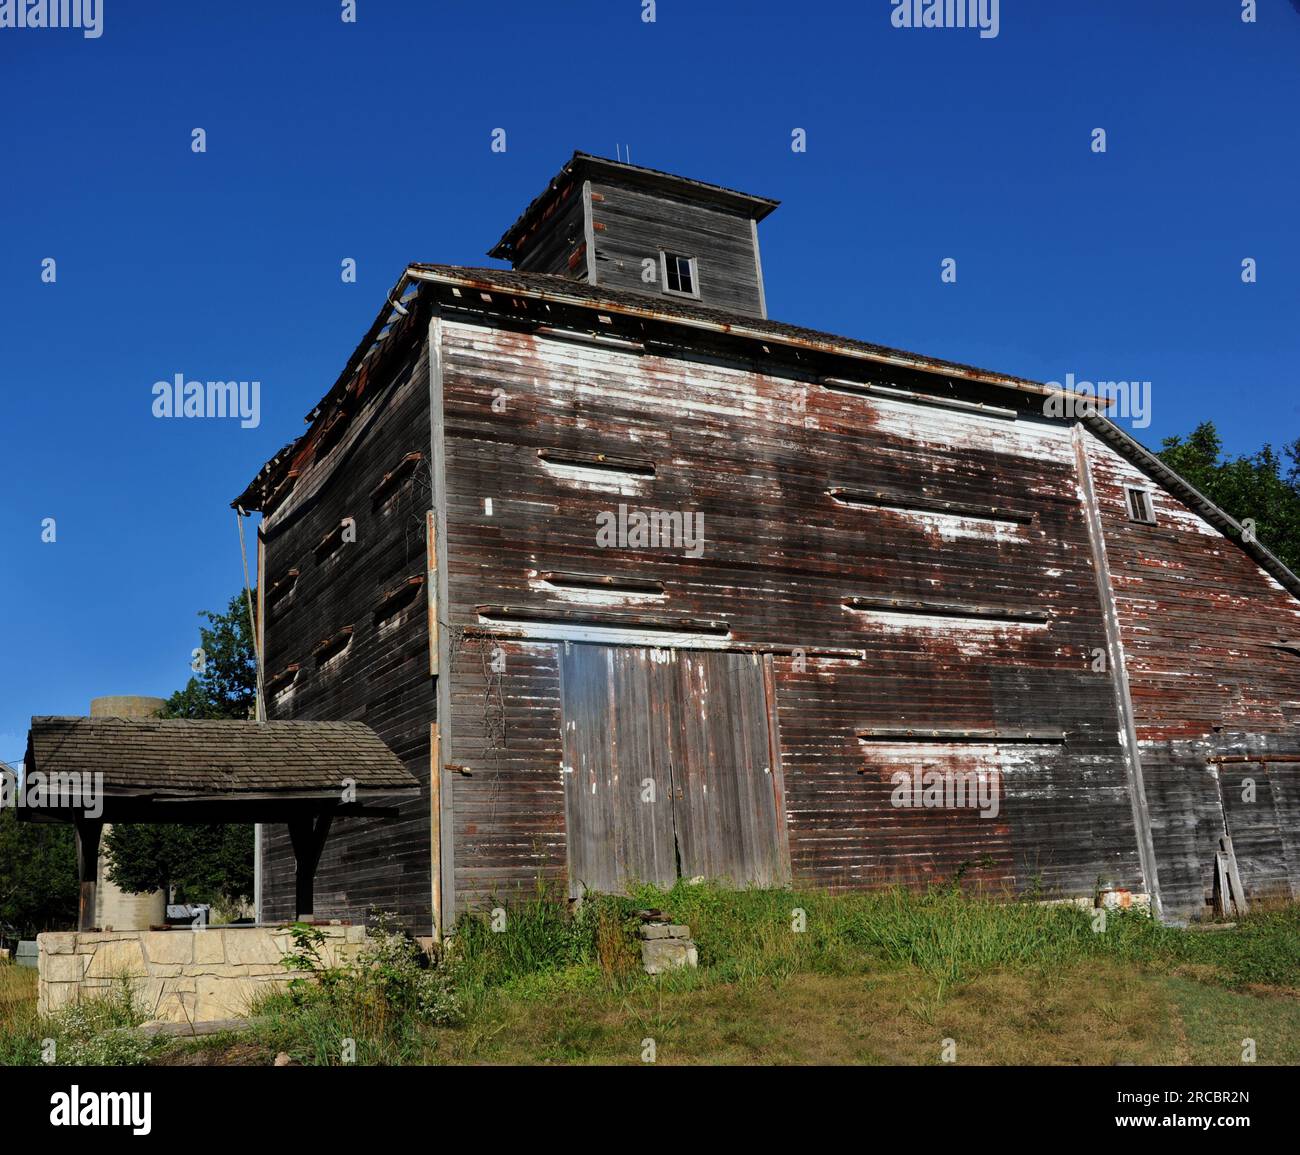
114,908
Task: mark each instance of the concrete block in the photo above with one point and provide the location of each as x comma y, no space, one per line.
653,930
666,954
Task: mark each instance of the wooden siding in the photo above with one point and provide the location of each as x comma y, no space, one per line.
559,246
757,454
508,800
381,675
630,226
897,566
1197,616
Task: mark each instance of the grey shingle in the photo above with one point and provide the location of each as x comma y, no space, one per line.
215,756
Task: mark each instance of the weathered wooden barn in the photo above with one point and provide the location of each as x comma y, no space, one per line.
641,584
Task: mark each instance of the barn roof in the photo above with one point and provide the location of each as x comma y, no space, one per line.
230,759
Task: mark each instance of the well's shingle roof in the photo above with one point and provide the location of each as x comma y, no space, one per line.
216,757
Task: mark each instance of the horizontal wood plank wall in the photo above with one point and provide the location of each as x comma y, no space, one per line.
554,247
755,454
508,819
1261,803
1197,617
631,226
381,677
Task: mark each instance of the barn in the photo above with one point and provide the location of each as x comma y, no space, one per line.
641,584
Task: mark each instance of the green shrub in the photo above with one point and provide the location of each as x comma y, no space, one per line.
544,936
98,1031
378,1008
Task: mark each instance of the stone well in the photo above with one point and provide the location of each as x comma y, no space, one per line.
181,975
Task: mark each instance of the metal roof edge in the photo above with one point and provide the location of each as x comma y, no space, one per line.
832,344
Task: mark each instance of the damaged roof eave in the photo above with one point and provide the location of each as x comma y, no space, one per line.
250,499
821,343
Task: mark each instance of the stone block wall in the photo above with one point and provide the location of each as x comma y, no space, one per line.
179,975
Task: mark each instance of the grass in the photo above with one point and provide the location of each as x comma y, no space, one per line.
799,977
96,1032
18,1019
895,1018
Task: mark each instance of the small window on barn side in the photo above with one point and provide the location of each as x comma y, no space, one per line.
1139,505
680,275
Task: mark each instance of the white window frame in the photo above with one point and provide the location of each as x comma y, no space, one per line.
1148,498
664,254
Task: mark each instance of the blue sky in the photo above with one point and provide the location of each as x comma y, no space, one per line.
371,140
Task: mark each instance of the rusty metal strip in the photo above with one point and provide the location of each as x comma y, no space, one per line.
396,476
326,648
284,677
589,243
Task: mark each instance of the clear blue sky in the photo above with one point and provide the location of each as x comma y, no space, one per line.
328,140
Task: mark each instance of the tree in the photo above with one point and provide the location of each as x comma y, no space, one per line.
212,862
227,683
38,876
1253,487
200,863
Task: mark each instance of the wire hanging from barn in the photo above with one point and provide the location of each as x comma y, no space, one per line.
254,625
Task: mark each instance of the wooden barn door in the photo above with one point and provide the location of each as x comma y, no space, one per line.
724,790
668,768
614,742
